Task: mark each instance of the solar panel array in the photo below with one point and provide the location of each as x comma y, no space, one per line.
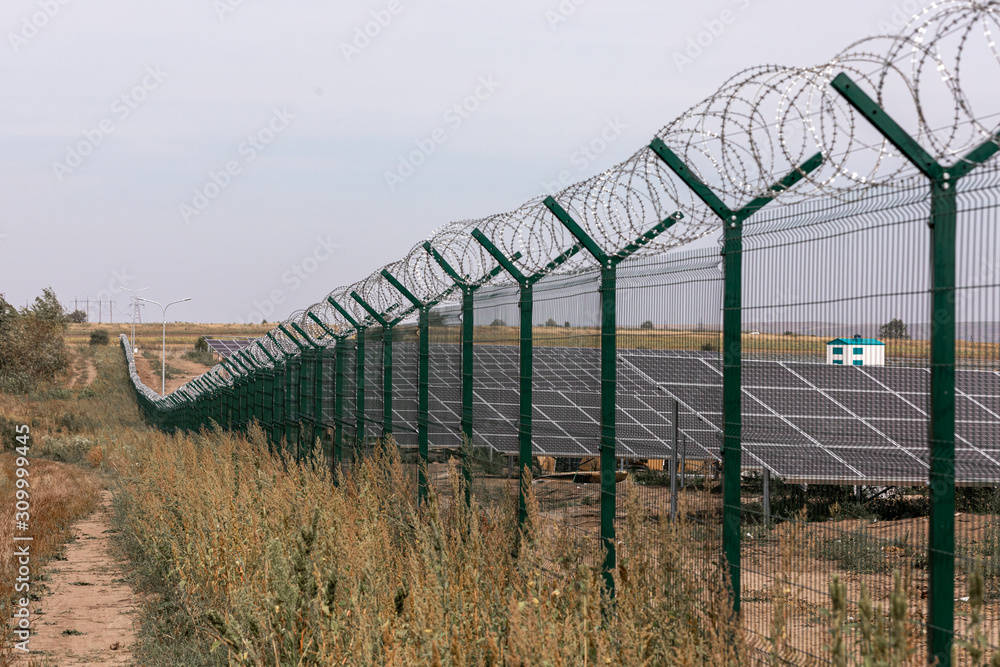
226,347
805,421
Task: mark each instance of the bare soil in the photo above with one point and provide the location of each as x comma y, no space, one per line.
86,616
188,371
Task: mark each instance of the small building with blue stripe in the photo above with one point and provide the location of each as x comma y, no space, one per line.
855,351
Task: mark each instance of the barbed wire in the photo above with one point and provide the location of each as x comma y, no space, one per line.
936,77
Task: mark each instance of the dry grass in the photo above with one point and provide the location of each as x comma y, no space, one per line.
274,564
178,333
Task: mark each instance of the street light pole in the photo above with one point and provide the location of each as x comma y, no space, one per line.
132,307
163,345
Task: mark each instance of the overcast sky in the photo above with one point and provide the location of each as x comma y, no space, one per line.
247,153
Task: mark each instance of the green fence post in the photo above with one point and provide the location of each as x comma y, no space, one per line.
253,380
307,355
294,396
315,412
281,375
609,369
339,348
423,375
234,395
219,396
732,354
338,402
211,394
208,401
234,398
205,400
359,374
526,354
279,428
423,382
941,479
246,405
307,369
253,392
359,399
225,416
268,399
387,326
466,342
196,420
250,387
241,400
386,364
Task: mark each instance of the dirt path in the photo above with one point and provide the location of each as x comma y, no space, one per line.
86,615
81,373
85,378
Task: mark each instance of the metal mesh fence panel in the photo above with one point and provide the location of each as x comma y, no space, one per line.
374,384
669,408
445,378
405,358
495,395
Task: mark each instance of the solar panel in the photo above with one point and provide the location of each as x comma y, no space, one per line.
226,347
805,421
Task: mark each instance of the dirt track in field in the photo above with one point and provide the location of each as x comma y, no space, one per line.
86,615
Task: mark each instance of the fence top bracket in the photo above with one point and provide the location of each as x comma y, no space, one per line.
906,144
604,259
730,217
508,265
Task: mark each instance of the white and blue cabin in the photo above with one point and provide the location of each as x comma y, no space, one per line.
855,351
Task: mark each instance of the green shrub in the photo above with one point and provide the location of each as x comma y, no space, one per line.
856,552
8,433
977,499
203,357
99,337
646,325
32,348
